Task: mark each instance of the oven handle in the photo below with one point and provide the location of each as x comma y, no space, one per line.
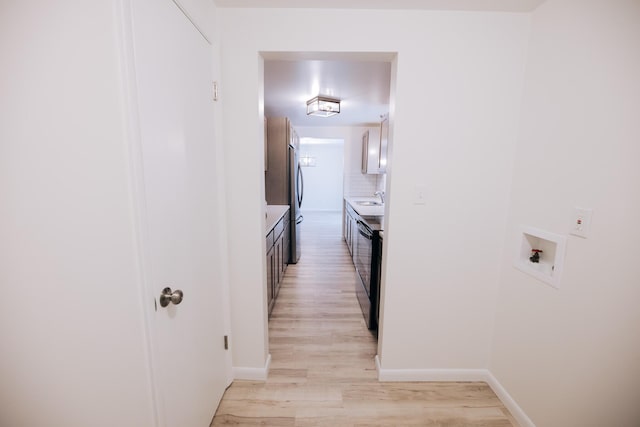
364,230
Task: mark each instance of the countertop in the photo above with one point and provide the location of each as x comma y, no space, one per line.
366,210
274,213
373,215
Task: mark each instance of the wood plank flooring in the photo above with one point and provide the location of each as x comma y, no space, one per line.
322,368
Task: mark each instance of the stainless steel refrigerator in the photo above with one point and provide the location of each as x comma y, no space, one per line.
284,183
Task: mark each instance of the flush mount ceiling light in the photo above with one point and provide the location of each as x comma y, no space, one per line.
323,106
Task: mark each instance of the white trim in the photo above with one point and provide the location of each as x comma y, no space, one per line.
508,401
252,374
432,375
186,13
483,375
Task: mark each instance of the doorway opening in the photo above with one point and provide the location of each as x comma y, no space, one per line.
322,162
332,153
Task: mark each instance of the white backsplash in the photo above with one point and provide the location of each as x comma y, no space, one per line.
358,184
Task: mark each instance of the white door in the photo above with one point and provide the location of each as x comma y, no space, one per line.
173,69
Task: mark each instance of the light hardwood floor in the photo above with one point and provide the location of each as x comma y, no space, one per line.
322,368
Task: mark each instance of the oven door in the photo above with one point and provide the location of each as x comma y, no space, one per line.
363,255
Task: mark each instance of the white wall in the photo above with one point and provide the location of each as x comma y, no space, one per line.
243,134
455,120
71,328
323,180
355,182
570,356
455,116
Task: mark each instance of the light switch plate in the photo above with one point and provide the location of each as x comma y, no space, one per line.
420,195
581,222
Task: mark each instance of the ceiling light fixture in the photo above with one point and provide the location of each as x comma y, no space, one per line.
323,106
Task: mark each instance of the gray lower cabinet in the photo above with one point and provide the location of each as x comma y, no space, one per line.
350,227
278,248
270,263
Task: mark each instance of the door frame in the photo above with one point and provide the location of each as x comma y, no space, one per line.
303,54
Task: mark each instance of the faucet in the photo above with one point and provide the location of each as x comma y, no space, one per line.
381,194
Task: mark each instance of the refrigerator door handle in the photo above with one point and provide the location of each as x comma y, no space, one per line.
300,185
299,219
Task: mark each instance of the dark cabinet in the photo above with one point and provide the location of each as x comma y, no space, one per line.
270,269
279,266
278,242
378,274
286,248
350,227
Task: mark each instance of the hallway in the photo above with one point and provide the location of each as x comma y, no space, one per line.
322,368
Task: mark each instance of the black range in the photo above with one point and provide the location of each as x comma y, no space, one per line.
367,254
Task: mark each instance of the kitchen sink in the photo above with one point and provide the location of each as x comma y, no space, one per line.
368,203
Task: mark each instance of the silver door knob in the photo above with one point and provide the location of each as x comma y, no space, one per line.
168,296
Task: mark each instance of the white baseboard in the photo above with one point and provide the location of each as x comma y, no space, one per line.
483,375
252,374
430,374
508,401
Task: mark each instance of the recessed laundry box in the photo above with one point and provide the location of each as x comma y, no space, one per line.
541,254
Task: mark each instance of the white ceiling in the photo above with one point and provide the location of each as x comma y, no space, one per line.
361,83
488,5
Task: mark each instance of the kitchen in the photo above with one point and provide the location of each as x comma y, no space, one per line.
360,90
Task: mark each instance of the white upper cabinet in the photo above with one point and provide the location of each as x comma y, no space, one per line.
374,148
384,144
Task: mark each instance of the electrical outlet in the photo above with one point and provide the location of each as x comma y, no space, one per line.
581,222
420,195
